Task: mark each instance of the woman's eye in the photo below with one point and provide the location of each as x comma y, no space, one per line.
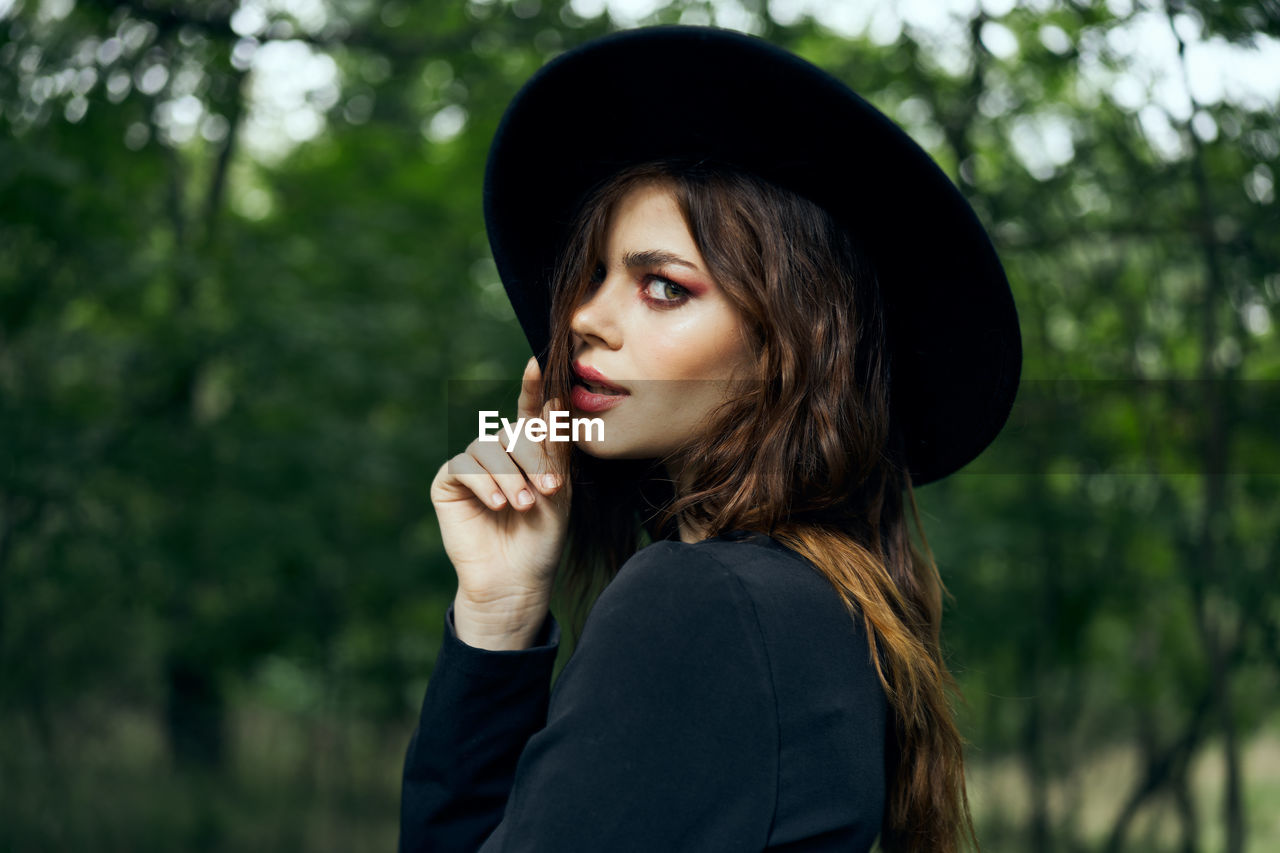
661,290
597,274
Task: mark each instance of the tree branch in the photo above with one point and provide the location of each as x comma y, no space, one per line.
1163,768
219,27
1209,563
222,163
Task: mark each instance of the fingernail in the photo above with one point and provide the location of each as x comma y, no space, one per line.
498,498
550,481
524,498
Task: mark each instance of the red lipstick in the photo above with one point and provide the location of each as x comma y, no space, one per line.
591,376
585,401
594,393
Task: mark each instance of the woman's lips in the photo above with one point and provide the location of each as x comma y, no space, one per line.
587,400
595,381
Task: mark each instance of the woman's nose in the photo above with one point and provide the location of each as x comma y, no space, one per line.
597,315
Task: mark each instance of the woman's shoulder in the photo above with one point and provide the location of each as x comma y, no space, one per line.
727,567
670,594
676,620
765,569
674,584
736,575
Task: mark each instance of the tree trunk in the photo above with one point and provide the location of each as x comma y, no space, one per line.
1209,573
195,714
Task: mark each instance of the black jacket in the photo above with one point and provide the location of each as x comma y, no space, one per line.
720,699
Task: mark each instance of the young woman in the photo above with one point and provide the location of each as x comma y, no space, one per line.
785,316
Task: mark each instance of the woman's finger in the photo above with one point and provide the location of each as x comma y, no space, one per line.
505,472
530,403
461,474
538,458
533,457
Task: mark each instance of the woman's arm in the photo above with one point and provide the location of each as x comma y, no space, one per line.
480,709
503,516
661,734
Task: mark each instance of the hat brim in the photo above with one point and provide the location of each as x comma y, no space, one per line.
692,91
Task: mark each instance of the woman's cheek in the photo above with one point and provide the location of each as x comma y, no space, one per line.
685,350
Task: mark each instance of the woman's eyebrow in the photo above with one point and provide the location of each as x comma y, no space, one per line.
655,258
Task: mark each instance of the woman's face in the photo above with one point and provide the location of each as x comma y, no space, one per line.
657,327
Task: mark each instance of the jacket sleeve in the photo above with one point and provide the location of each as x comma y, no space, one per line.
662,732
480,708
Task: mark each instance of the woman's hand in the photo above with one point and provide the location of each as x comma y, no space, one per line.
503,518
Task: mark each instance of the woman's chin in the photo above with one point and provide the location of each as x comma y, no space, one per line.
603,450
614,449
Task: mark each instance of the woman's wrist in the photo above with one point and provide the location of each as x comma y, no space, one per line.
504,623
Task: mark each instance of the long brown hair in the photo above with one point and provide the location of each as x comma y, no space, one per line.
807,454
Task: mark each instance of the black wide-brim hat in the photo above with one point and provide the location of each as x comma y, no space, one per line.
695,92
